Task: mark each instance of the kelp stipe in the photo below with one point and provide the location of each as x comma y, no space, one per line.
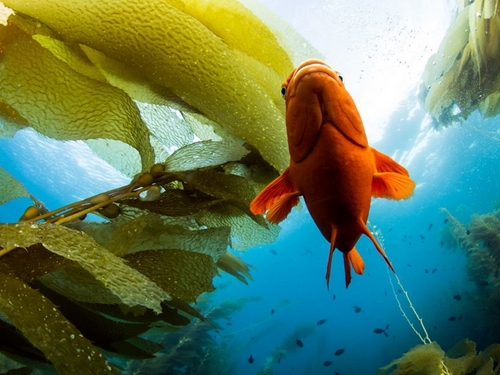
424,338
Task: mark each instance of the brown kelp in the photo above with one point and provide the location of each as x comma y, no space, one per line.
430,359
160,91
480,239
464,74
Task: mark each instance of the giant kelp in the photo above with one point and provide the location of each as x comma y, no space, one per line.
141,82
480,240
464,74
430,359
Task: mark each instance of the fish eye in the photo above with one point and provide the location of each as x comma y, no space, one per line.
283,91
340,77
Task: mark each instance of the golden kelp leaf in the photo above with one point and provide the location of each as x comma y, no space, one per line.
204,154
47,329
183,274
78,284
175,202
41,262
245,231
177,51
235,266
10,188
62,104
126,283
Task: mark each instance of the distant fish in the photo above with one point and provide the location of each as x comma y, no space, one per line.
272,251
467,232
400,291
339,352
409,265
445,221
452,318
327,363
426,270
483,283
422,237
378,331
272,311
299,343
308,251
441,243
434,270
336,373
457,297
228,324
321,322
435,327
357,309
334,297
429,227
250,359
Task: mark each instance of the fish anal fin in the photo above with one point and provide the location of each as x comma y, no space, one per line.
356,261
366,232
392,185
384,163
352,258
282,207
271,193
333,238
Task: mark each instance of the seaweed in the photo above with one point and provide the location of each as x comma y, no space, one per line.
480,240
430,359
463,76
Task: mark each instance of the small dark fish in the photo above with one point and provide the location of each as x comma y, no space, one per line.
445,221
409,265
299,343
387,326
390,229
441,243
336,373
434,270
309,251
483,283
272,311
334,297
250,359
357,309
272,251
378,331
458,297
429,227
426,270
321,322
339,352
452,318
228,324
400,291
435,327
327,363
467,232
279,358
422,237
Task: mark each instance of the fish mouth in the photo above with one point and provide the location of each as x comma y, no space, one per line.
311,66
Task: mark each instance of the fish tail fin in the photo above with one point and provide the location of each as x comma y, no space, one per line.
391,179
352,258
279,197
333,238
381,251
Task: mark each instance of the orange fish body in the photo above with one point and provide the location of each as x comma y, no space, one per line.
331,164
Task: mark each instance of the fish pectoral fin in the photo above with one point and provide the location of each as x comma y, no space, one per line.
282,207
384,163
279,187
392,185
366,232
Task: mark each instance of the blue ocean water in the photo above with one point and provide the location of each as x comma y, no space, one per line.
456,169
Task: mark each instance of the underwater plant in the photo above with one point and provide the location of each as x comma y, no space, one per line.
430,359
464,74
480,240
175,96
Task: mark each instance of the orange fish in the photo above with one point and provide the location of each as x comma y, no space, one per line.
331,165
